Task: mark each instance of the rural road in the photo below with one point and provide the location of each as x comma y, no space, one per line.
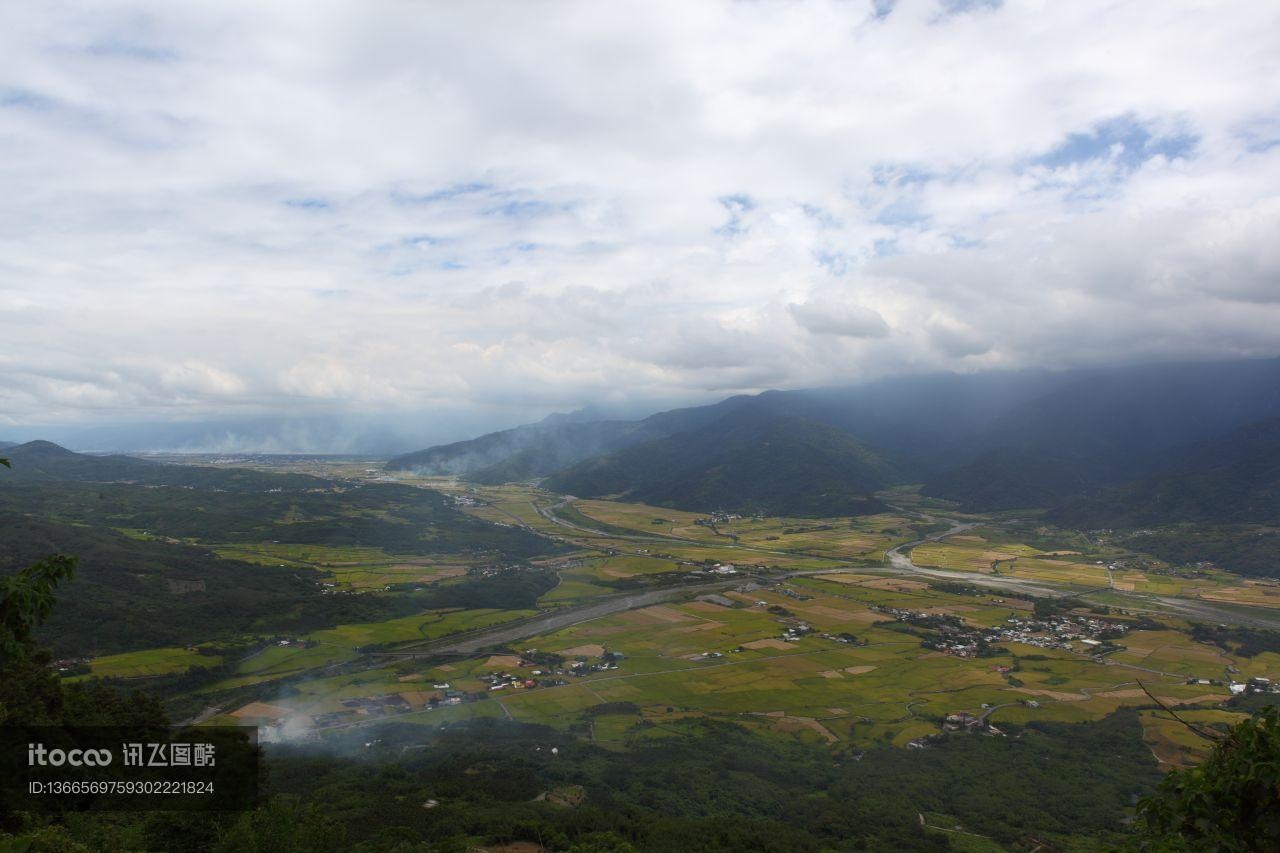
897,558
553,621
1200,611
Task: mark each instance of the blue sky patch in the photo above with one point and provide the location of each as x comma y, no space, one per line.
25,99
1130,139
737,205
900,212
524,209
443,194
121,49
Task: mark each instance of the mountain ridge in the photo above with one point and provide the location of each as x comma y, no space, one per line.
989,441
749,462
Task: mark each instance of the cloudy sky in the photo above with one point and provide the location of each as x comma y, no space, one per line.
221,210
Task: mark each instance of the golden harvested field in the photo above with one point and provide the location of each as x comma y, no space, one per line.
1176,745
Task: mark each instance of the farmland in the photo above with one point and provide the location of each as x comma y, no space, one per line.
813,639
903,637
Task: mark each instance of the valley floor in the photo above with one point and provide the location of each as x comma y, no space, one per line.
888,629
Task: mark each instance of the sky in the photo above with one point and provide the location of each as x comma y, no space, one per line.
465,215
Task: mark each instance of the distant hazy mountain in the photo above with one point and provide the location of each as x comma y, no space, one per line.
988,441
929,418
748,461
1105,427
556,442
1008,478
517,454
44,461
1232,479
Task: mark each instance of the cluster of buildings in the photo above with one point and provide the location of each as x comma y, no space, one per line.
794,631
963,721
959,722
389,704
718,517
1253,686
505,680
489,570
549,670
71,666
1069,633
791,593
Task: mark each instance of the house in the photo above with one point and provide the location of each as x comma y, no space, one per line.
960,720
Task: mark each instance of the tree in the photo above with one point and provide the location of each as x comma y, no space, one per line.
1231,802
26,599
28,690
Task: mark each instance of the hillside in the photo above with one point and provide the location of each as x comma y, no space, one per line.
46,462
989,441
749,462
1234,479
553,449
148,535
1008,478
1103,428
556,442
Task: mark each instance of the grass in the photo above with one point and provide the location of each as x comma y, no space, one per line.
150,662
354,567
336,645
1175,744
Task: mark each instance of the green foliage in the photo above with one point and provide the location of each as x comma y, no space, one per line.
282,826
27,599
1231,802
217,505
122,598
707,785
1242,548
162,589
1237,639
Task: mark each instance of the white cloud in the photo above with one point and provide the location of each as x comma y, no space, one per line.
852,321
375,204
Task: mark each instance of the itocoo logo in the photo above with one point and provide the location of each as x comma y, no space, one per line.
39,755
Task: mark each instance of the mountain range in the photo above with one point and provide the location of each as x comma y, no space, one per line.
1233,479
750,461
989,441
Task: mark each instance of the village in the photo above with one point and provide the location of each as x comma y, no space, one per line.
529,670
1079,634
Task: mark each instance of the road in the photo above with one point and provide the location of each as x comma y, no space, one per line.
897,559
555,620
1200,611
